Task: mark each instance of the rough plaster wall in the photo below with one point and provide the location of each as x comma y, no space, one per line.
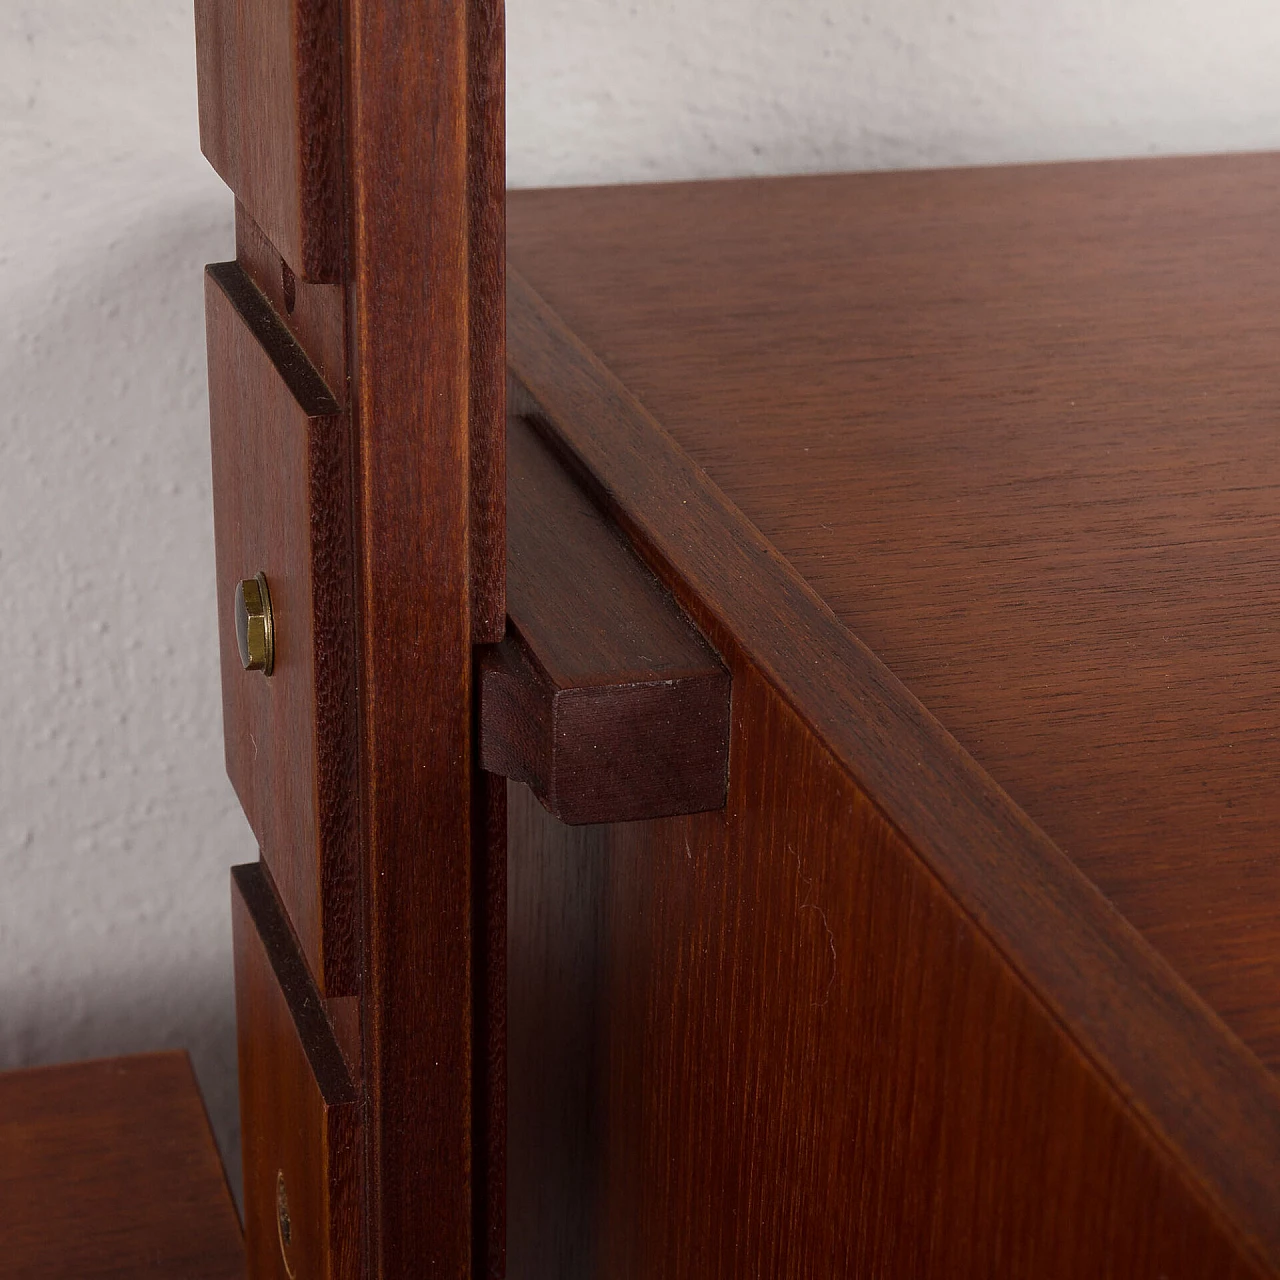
627,91
116,823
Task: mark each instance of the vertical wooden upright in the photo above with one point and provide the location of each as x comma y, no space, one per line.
413,316
357,388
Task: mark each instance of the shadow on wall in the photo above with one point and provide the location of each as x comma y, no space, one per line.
117,825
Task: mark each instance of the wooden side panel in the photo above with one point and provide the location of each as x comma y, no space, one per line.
298,1106
1016,427
269,74
766,1042
281,480
108,1171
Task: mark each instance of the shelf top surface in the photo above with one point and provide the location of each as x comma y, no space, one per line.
108,1169
1020,429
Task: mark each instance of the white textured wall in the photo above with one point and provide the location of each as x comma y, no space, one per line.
621,90
116,824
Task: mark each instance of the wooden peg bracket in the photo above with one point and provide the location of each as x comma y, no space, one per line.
603,698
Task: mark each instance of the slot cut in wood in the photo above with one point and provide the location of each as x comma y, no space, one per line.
603,698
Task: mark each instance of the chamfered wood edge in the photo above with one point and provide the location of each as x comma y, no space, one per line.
328,1064
1207,1101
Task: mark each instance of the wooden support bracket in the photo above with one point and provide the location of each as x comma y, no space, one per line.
603,698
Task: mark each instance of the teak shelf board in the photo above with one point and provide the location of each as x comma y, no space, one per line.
109,1170
1016,429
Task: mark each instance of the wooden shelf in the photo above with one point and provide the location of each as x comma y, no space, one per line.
108,1170
972,477
1016,427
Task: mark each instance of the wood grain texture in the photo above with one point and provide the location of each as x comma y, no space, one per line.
490,1017
765,1042
1014,426
108,1171
299,1110
487,308
1193,1092
281,482
604,699
414,111
361,443
269,75
315,314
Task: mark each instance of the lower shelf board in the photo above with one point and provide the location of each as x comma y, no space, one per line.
109,1169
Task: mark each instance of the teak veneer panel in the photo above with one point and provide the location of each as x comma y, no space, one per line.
108,1171
1016,428
763,1043
603,699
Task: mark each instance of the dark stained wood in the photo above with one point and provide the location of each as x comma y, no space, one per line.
1188,1114
313,313
1014,426
558,989
486,282
269,74
281,480
423,132
490,1018
360,462
299,1109
765,1042
604,699
108,1171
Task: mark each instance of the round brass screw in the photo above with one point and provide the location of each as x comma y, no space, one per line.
255,626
